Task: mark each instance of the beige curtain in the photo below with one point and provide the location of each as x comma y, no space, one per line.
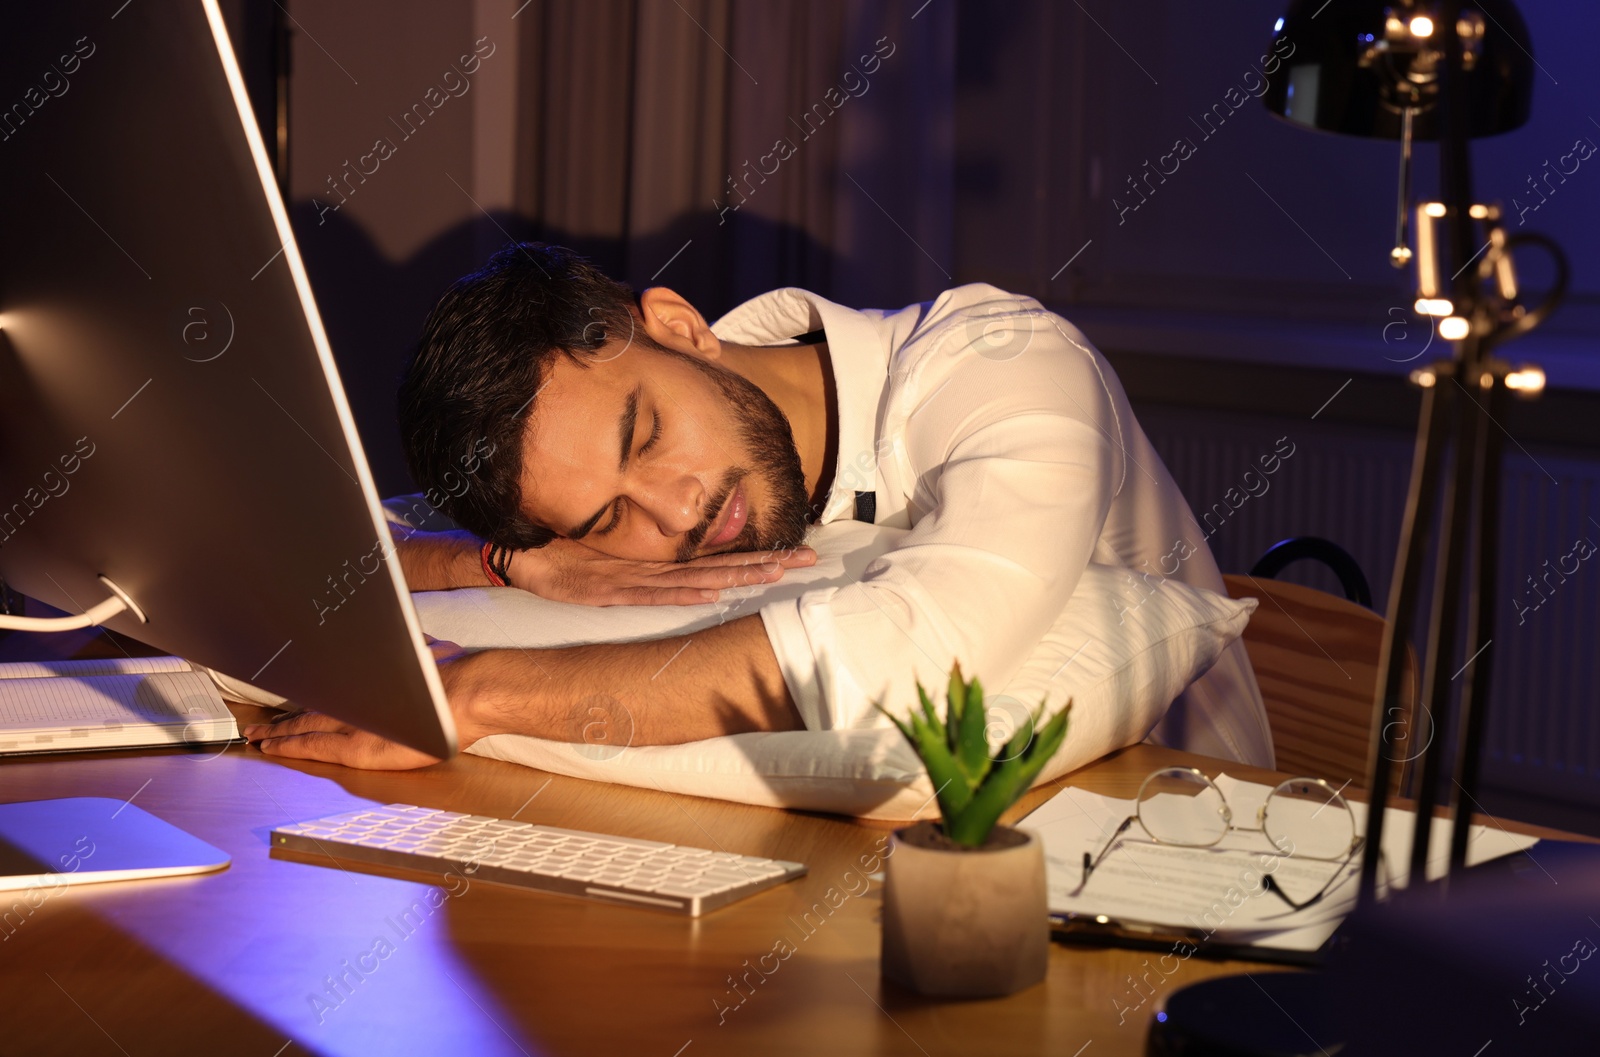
726,148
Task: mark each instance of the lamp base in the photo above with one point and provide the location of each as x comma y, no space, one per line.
1275,1014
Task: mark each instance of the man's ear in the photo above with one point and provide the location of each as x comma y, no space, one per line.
675,323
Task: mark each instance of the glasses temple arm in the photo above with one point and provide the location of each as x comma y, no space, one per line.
1089,864
1272,886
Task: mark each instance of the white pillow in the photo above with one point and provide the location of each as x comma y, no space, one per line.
1120,661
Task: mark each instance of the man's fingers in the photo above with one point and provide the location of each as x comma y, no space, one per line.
720,577
294,723
305,723
665,596
792,558
326,746
443,650
351,747
608,581
745,575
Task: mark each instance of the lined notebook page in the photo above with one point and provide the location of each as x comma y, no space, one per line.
100,666
101,704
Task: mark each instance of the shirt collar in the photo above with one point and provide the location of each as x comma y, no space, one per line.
858,350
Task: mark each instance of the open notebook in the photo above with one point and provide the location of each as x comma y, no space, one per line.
137,702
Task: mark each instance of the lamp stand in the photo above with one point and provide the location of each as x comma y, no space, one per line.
1467,395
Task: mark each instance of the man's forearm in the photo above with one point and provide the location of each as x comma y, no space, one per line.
439,561
722,680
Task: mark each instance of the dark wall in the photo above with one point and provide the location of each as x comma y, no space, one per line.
1041,114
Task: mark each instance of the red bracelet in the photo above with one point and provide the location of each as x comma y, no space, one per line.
488,570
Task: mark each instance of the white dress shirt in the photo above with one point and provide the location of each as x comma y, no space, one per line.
994,432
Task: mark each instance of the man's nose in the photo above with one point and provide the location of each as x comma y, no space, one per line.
676,504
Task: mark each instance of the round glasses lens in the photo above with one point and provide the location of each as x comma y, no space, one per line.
1178,806
1309,819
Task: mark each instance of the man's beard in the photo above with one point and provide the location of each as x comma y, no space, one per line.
774,459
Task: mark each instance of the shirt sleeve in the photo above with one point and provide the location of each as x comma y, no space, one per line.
1016,464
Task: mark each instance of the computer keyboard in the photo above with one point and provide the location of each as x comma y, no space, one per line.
597,866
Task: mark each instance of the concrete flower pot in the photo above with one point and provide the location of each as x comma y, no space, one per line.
967,923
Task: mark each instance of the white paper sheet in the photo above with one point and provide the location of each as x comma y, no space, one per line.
1219,890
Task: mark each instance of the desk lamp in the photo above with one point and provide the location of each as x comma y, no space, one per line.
1408,70
1445,71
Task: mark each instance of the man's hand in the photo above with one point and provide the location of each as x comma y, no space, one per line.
315,736
567,571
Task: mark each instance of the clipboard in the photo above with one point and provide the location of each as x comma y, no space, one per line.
1083,930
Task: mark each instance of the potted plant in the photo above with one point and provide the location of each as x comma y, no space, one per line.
964,904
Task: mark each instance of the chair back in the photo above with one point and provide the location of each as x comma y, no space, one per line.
1316,659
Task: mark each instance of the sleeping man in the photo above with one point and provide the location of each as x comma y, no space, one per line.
602,447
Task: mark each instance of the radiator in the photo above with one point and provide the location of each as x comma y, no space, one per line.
1348,484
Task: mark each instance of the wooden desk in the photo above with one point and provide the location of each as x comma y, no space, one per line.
237,962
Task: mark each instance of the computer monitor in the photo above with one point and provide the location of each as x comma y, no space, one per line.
170,413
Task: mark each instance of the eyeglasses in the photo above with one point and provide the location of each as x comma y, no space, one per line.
1303,817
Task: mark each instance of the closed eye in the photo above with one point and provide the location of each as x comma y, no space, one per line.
616,518
655,434
616,507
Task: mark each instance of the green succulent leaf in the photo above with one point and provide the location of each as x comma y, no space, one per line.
975,788
956,695
951,785
971,825
973,754
930,713
1021,739
1007,781
1048,741
899,724
956,701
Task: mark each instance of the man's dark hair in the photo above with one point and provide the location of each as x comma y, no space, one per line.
485,350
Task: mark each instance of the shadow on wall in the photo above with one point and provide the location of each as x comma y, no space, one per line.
374,308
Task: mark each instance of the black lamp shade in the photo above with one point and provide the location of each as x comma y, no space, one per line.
1322,83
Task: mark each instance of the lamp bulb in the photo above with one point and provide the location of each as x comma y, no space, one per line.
1526,379
1422,26
1453,328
